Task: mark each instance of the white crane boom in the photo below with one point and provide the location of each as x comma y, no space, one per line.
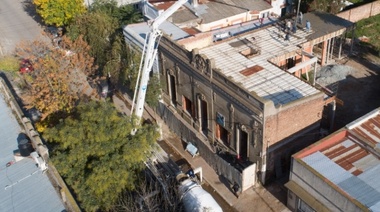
148,56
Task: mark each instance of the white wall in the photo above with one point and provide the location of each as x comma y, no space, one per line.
319,189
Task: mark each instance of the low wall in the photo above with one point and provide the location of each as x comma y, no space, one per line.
362,12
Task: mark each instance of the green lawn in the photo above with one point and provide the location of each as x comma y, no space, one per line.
370,28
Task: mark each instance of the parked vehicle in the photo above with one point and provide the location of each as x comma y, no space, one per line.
104,88
26,66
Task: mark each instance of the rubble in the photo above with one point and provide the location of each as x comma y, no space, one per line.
331,74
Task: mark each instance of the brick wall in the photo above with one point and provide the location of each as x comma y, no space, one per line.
199,40
290,120
289,131
362,12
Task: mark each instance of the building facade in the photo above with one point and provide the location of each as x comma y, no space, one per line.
239,99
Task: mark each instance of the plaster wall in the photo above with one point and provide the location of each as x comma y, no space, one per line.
320,188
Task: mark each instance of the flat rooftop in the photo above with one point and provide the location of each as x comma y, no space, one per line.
24,187
245,58
350,159
254,72
140,30
324,23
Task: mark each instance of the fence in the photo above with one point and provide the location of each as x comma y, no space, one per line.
362,12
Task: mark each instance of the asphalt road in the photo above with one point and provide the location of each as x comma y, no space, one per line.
18,21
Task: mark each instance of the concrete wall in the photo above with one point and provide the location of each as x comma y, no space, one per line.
362,12
320,188
236,19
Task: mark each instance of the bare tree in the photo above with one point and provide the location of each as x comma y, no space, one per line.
153,194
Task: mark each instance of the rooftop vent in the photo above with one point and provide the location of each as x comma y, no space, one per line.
251,70
25,147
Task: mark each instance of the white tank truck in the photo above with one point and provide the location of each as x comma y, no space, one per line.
194,198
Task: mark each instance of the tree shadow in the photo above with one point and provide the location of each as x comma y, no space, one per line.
30,9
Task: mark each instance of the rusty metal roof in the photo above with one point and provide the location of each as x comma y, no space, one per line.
350,159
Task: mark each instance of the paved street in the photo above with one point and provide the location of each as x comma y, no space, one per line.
17,24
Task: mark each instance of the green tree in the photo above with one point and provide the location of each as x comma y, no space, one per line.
98,30
118,62
96,154
59,12
125,14
154,90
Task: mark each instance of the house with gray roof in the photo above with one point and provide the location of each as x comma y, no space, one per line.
27,182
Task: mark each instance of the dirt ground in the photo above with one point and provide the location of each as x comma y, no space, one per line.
360,91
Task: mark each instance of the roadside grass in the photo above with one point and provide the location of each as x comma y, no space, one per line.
9,64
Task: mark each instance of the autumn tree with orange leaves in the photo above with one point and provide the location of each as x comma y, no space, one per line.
59,77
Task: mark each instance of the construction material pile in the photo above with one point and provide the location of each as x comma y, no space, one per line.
332,74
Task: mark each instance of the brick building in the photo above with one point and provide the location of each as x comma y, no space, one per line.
235,92
340,172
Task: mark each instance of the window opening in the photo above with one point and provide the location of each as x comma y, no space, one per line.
243,144
172,89
222,134
187,105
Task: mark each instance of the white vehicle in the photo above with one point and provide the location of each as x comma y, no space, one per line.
194,197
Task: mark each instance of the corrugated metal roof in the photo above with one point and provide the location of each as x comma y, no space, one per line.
24,186
327,167
352,162
270,83
369,130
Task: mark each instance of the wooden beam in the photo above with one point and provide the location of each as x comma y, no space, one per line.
334,98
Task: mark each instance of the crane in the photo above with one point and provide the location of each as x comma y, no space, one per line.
147,59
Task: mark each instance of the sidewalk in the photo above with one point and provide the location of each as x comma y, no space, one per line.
254,199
